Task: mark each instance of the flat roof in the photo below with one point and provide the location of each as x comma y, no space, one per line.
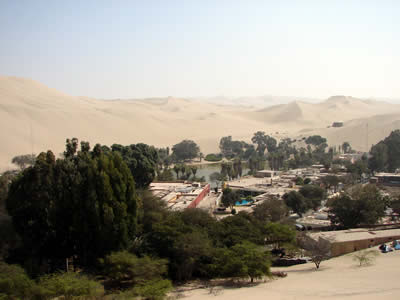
387,174
355,234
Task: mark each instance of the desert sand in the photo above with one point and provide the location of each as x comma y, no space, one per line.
35,118
337,278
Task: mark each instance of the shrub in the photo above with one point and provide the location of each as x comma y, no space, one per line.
365,257
213,157
14,282
68,285
126,269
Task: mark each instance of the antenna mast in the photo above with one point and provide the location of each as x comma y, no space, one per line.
367,138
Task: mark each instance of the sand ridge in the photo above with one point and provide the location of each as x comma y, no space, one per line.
34,118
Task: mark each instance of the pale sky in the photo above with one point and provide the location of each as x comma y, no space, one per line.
135,49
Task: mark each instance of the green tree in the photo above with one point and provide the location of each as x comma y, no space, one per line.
361,205
5,181
271,210
254,262
194,170
125,270
216,177
14,282
313,195
346,147
22,161
185,150
68,286
385,156
263,142
229,197
82,205
330,181
379,157
315,140
296,202
279,234
177,169
141,160
165,175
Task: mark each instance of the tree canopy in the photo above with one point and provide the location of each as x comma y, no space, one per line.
385,156
84,205
141,160
315,140
229,197
185,150
360,205
263,142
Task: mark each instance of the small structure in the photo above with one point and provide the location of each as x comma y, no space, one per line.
346,241
337,124
387,179
180,195
266,173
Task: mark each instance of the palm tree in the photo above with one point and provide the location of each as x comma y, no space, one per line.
194,170
177,169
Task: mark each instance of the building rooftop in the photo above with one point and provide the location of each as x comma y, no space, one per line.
355,234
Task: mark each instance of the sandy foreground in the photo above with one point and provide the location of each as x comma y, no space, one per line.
338,278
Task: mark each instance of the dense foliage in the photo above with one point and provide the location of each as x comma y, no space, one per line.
308,197
385,156
315,140
213,157
360,205
141,160
83,205
185,150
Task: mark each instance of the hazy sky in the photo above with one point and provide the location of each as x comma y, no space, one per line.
122,49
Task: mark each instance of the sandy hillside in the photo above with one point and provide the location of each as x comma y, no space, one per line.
339,278
34,118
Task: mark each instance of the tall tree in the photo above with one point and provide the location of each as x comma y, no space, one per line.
296,202
185,150
229,198
385,156
22,161
142,161
82,205
361,205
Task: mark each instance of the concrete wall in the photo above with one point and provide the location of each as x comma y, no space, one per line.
200,197
340,248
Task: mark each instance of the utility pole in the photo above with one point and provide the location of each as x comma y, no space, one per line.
367,139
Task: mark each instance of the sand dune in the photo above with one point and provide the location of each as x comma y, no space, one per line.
34,118
338,278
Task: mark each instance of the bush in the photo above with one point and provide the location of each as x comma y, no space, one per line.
14,282
68,285
365,257
125,269
166,175
153,290
213,157
299,181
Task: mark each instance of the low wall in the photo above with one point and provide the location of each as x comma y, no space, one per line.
200,197
340,248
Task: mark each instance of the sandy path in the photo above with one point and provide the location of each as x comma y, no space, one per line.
338,278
